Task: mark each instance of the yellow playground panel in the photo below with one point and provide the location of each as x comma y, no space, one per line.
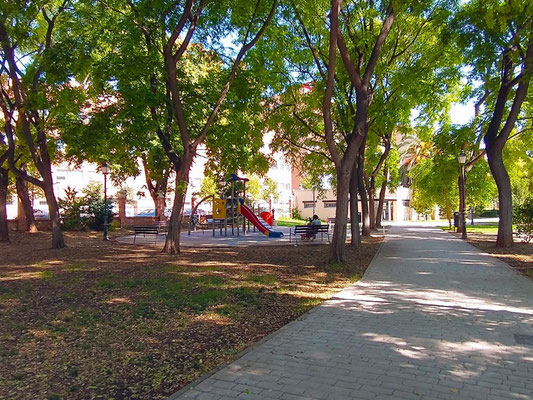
219,208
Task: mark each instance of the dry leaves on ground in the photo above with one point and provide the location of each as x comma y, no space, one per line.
105,320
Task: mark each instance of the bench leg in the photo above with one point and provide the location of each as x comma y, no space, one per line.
134,238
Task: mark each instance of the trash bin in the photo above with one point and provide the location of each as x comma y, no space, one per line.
456,221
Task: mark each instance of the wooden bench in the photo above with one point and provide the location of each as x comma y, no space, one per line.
161,225
146,230
306,231
348,220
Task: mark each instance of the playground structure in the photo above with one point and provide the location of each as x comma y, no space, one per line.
232,212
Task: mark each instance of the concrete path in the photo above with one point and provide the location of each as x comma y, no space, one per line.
432,319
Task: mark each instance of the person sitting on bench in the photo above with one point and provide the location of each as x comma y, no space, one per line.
311,233
315,223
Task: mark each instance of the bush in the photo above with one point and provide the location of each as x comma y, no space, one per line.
523,216
489,214
296,214
86,212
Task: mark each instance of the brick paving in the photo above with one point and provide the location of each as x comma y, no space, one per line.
432,319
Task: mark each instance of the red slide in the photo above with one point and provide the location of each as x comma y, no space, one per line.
250,216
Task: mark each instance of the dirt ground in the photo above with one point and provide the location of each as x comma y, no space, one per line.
520,256
103,320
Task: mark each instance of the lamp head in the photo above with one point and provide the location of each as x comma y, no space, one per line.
105,168
462,157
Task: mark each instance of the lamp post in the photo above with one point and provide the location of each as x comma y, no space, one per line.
462,199
105,170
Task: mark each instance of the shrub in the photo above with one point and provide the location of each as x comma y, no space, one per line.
86,212
71,208
296,214
489,214
523,215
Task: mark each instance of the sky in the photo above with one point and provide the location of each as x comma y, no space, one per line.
462,113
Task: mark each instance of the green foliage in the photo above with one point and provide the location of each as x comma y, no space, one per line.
523,217
296,213
270,189
253,188
435,172
518,159
87,211
209,187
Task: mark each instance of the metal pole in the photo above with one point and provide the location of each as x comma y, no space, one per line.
232,207
463,194
314,203
105,208
244,202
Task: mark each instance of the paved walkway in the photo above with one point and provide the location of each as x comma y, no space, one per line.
432,319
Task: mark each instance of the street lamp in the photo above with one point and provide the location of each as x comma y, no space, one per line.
105,170
462,162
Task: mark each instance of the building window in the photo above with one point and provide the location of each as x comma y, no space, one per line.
406,203
330,204
61,178
308,204
42,202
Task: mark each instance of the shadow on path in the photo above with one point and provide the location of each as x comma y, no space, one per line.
433,318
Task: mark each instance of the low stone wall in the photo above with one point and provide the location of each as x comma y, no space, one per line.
42,224
135,221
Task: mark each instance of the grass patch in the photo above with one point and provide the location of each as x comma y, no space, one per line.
104,284
264,279
76,267
230,310
307,304
291,222
355,277
201,301
487,229
85,317
46,274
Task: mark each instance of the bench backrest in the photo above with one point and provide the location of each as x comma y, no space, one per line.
332,221
310,228
146,229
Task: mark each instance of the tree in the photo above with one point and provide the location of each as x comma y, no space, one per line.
270,189
437,169
157,170
382,47
182,103
498,42
31,94
390,179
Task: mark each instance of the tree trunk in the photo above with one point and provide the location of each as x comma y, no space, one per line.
4,229
379,211
160,205
172,243
505,209
365,231
338,243
24,198
371,189
58,242
354,208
